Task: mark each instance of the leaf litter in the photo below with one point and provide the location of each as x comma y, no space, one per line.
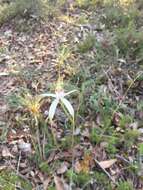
29,61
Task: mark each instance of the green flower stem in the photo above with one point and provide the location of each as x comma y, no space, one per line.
54,137
39,144
72,120
72,147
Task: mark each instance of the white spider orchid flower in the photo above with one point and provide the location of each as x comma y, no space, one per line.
59,98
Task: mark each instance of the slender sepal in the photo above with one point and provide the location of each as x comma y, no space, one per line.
70,92
68,106
48,95
52,109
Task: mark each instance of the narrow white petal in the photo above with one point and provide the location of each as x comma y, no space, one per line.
48,95
68,106
70,92
52,109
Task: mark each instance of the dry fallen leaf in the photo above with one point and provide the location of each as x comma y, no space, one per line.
107,163
62,169
2,167
6,152
44,180
46,183
60,184
77,167
134,125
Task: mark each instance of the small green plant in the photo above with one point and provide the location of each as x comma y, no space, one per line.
129,42
32,105
20,7
9,11
9,180
125,185
102,103
111,147
124,121
117,15
83,19
87,44
95,135
79,179
51,187
66,141
131,137
3,49
102,181
44,167
140,106
86,180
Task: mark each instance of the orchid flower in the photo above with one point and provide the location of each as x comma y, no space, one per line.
59,98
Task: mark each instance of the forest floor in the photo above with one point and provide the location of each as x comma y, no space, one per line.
102,52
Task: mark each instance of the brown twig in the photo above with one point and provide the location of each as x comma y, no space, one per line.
123,159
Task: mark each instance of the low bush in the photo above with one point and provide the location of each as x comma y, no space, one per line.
19,7
130,42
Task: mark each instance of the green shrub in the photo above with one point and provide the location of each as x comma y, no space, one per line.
130,42
19,7
116,15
